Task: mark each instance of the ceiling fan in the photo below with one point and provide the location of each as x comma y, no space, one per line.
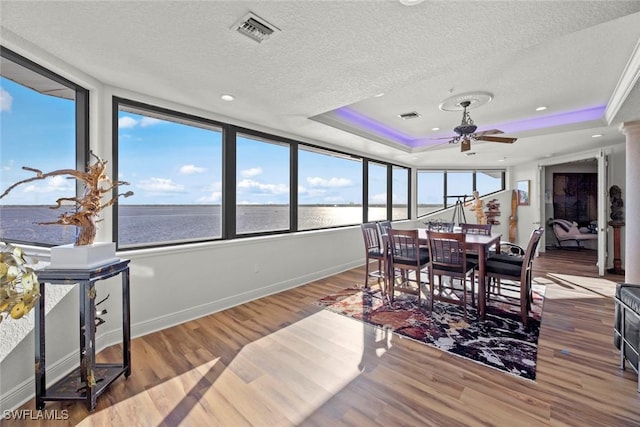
466,131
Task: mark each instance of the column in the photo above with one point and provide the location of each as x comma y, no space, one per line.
632,202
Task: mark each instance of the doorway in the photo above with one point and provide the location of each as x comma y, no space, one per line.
595,165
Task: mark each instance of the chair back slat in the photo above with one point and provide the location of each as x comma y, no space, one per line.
447,250
527,260
383,228
483,229
370,235
403,244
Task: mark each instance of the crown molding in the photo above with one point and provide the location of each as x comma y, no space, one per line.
625,84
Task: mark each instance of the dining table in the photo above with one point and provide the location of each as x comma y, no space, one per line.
479,243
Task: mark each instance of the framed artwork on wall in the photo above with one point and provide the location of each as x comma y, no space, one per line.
523,192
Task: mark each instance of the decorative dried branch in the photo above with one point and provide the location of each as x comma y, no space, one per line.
89,205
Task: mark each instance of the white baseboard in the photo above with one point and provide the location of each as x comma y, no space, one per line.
58,369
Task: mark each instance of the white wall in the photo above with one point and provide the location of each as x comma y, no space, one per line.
171,286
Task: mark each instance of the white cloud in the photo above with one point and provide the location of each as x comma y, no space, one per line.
214,197
6,100
318,182
54,184
258,187
249,173
160,185
380,197
149,121
9,166
127,122
191,169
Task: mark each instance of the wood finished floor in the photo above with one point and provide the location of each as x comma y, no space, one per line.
281,361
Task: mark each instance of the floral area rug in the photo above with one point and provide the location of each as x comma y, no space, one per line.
500,341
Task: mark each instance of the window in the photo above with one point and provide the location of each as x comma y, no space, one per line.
489,181
174,166
329,189
400,195
262,185
458,184
430,192
438,190
377,197
45,127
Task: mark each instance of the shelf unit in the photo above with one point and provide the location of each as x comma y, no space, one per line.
90,379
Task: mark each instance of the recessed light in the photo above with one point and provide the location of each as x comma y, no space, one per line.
378,95
597,135
541,108
435,128
227,97
470,153
502,160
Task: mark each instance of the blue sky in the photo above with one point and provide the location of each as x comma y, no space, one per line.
164,162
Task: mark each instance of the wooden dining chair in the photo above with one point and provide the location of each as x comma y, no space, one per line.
482,229
517,288
448,258
374,251
407,256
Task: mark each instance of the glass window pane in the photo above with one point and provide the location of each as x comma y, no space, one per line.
459,184
38,131
377,192
400,195
430,191
262,186
329,189
174,168
488,181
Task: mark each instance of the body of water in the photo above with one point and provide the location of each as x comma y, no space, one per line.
173,223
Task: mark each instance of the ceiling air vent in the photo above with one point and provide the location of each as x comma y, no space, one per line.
255,28
407,116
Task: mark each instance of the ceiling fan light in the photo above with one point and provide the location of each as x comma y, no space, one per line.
465,129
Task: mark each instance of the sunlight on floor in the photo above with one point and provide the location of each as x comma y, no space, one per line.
566,286
280,379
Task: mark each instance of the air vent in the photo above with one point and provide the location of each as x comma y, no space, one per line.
407,116
255,28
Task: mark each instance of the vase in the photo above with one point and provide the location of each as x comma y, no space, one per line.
83,256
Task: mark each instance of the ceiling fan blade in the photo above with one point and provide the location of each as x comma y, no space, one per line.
497,139
465,145
488,132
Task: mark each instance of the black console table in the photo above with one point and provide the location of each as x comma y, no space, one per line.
90,379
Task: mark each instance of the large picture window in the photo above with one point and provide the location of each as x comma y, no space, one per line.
377,200
174,166
439,190
400,193
262,185
45,127
430,191
329,189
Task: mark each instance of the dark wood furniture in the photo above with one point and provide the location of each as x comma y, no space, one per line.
90,379
520,273
448,257
406,255
481,244
373,250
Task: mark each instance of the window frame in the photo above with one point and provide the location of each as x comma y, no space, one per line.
81,117
445,172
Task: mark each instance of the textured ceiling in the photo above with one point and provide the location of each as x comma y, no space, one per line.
567,55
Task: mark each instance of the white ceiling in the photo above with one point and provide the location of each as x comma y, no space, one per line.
566,55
